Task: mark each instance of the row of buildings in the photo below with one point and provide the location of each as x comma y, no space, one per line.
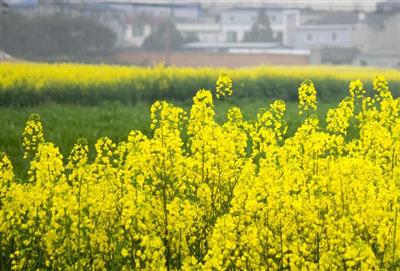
368,38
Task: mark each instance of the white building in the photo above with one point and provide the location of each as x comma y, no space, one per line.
359,38
204,31
284,23
317,36
334,29
232,24
136,30
378,38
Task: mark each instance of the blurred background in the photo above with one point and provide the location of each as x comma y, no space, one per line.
202,33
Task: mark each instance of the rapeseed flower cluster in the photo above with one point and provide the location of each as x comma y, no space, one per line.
33,135
199,195
307,96
224,86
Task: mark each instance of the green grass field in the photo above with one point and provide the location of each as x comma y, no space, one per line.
65,124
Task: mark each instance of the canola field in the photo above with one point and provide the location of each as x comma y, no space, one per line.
65,124
31,84
197,194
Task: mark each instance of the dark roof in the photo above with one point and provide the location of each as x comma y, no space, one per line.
22,3
145,19
379,18
376,19
388,6
337,17
266,7
162,4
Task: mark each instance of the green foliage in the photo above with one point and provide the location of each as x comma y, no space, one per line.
261,30
165,36
54,37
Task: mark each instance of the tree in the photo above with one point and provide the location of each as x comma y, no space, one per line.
261,30
166,36
54,37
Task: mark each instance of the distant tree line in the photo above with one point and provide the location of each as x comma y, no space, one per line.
54,37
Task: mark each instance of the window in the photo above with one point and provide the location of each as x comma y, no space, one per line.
137,30
309,37
334,36
231,36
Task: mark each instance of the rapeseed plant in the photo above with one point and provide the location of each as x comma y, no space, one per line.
198,195
224,86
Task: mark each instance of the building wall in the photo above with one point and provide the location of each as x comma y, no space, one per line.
381,37
130,40
378,61
248,17
276,17
205,32
214,32
239,30
202,59
292,21
324,35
